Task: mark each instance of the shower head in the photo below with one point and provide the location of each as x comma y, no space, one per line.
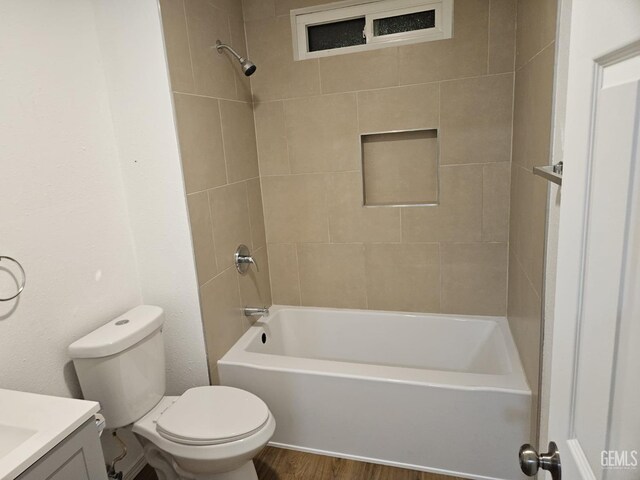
248,67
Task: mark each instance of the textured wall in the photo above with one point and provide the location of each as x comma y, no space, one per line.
325,249
213,108
535,55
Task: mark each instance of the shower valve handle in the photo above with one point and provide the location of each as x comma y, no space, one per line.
242,258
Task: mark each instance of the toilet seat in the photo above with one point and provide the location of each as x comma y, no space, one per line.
212,415
203,458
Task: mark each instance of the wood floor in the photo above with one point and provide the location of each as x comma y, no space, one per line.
279,464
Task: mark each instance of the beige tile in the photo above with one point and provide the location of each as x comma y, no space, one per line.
232,7
295,208
283,7
283,266
400,168
525,321
515,208
401,108
527,223
238,41
464,55
222,317
230,216
332,275
403,277
536,28
255,290
273,154
458,218
239,138
256,216
322,133
278,76
502,36
532,111
359,71
202,234
496,180
350,221
213,72
258,9
200,134
475,120
474,278
176,41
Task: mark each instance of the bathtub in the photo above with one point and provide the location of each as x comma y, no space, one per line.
436,393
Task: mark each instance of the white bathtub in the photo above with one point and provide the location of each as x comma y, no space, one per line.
437,393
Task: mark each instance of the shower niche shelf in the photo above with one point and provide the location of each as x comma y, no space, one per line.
400,168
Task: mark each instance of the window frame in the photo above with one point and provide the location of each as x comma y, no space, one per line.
302,18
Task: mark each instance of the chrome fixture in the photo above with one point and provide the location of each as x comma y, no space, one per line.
553,173
248,67
242,258
256,312
531,462
22,283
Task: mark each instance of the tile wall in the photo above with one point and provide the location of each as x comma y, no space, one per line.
214,117
535,57
325,248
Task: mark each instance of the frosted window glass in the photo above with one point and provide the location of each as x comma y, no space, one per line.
404,23
336,35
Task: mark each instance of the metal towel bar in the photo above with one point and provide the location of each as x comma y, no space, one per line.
553,173
24,278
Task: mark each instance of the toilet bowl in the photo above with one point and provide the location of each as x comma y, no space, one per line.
207,433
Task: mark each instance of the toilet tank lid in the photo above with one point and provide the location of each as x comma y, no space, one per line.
119,334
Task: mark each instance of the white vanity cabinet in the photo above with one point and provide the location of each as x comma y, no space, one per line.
77,457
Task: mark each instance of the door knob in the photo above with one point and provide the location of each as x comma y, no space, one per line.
531,461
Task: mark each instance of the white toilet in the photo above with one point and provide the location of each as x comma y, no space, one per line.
208,433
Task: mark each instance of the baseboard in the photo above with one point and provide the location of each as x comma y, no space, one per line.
135,469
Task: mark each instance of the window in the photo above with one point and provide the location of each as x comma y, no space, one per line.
357,25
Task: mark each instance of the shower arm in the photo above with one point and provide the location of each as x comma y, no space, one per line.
220,46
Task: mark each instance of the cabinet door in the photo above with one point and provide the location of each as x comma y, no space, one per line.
78,457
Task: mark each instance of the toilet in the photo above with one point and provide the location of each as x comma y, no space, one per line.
207,433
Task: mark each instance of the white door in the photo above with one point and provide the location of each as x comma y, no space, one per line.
594,343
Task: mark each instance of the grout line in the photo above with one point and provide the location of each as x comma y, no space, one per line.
223,185
224,150
441,275
213,237
319,77
212,98
295,248
186,23
219,274
540,52
482,203
391,87
246,193
489,37
286,135
235,73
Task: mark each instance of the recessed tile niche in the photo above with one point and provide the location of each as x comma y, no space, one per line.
400,168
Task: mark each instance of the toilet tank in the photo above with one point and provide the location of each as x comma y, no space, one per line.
122,366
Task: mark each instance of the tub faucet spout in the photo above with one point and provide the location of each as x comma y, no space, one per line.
256,312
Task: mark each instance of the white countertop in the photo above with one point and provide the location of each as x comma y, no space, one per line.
31,425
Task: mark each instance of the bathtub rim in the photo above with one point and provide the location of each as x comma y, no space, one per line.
514,382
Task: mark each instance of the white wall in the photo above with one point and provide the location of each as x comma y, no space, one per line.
91,194
133,54
63,212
